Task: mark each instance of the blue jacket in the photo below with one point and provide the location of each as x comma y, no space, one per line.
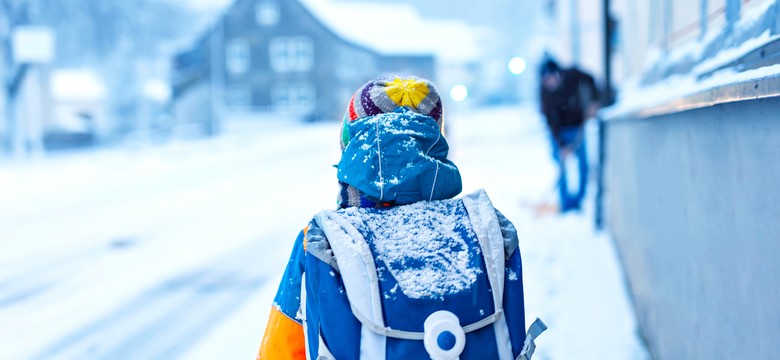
361,281
399,158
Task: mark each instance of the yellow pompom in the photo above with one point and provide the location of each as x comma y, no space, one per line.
407,92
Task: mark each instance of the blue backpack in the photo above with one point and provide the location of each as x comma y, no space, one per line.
429,280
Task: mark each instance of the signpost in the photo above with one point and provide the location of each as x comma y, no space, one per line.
32,47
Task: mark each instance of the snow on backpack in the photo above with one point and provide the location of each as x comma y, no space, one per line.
430,280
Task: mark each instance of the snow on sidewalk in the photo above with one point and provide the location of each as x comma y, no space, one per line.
572,276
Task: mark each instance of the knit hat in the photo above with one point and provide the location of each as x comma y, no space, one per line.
388,93
549,67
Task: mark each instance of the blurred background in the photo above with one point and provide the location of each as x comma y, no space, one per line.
158,158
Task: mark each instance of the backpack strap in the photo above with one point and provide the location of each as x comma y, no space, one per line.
486,226
357,267
536,329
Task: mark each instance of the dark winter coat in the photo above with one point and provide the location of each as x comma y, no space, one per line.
565,106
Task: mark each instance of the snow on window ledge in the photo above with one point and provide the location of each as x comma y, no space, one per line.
717,49
684,92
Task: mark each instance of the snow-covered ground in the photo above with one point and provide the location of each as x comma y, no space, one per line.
175,251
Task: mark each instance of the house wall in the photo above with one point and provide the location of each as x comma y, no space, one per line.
241,23
693,205
691,192
192,111
338,69
571,32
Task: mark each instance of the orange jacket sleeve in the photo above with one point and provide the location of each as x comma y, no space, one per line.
283,338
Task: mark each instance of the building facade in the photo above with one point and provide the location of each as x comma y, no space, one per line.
690,174
276,58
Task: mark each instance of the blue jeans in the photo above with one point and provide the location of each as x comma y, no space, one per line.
574,138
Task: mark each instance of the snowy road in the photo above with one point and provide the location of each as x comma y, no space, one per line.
167,319
176,251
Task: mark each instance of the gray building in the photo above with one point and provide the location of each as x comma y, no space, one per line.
277,58
691,166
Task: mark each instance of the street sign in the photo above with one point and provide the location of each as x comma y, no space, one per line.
33,44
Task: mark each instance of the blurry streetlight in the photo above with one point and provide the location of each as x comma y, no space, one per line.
459,93
517,65
157,90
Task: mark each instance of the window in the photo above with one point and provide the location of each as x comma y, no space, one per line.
238,96
686,22
716,14
238,56
297,99
749,5
267,12
292,54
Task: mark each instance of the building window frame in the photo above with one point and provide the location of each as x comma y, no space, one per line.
297,99
238,56
291,54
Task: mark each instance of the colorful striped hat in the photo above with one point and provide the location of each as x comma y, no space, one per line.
388,93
